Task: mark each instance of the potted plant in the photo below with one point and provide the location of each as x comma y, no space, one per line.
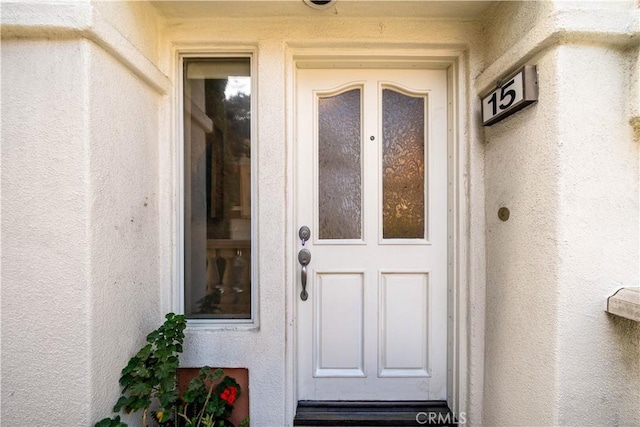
150,376
149,380
208,400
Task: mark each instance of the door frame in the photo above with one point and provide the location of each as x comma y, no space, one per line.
396,57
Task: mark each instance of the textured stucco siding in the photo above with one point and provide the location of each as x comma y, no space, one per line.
522,261
45,233
567,167
506,22
80,227
598,355
137,21
123,213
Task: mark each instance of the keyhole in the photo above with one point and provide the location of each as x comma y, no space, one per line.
372,137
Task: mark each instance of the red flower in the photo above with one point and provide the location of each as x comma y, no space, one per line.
229,394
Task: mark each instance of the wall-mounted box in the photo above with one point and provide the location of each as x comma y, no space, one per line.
625,303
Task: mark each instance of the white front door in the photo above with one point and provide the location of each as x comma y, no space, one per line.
371,185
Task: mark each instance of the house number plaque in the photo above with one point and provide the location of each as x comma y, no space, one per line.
512,95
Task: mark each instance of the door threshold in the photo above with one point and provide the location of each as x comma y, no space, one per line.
373,413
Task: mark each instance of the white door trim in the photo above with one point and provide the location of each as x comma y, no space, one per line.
452,61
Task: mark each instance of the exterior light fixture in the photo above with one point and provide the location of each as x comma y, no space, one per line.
319,4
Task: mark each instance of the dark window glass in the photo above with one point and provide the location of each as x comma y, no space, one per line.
217,193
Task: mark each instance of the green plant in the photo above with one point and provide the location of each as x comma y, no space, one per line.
151,374
111,422
208,400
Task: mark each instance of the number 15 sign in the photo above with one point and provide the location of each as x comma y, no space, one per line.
515,93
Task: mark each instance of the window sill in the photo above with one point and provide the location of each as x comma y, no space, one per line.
625,303
196,325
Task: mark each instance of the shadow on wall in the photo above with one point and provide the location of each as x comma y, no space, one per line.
626,334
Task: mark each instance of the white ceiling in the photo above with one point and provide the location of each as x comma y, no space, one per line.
452,9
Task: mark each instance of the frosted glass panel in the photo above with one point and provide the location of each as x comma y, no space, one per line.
339,166
403,165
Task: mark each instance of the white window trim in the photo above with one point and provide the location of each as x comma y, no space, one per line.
178,288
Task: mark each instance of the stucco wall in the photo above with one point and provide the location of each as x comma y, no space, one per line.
137,21
522,261
567,167
124,218
505,23
81,257
598,355
45,237
124,278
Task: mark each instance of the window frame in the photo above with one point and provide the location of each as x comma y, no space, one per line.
179,287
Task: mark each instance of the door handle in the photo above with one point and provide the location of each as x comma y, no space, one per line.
304,257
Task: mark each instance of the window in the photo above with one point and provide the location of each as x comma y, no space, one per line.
217,188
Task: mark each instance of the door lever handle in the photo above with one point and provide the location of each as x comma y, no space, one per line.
304,295
304,257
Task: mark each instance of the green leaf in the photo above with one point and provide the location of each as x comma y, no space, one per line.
153,336
141,371
140,389
219,412
134,362
126,381
168,384
110,422
140,403
209,374
144,352
168,399
195,389
123,402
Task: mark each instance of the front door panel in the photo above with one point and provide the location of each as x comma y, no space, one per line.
371,184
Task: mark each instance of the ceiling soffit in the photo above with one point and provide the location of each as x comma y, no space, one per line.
343,8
